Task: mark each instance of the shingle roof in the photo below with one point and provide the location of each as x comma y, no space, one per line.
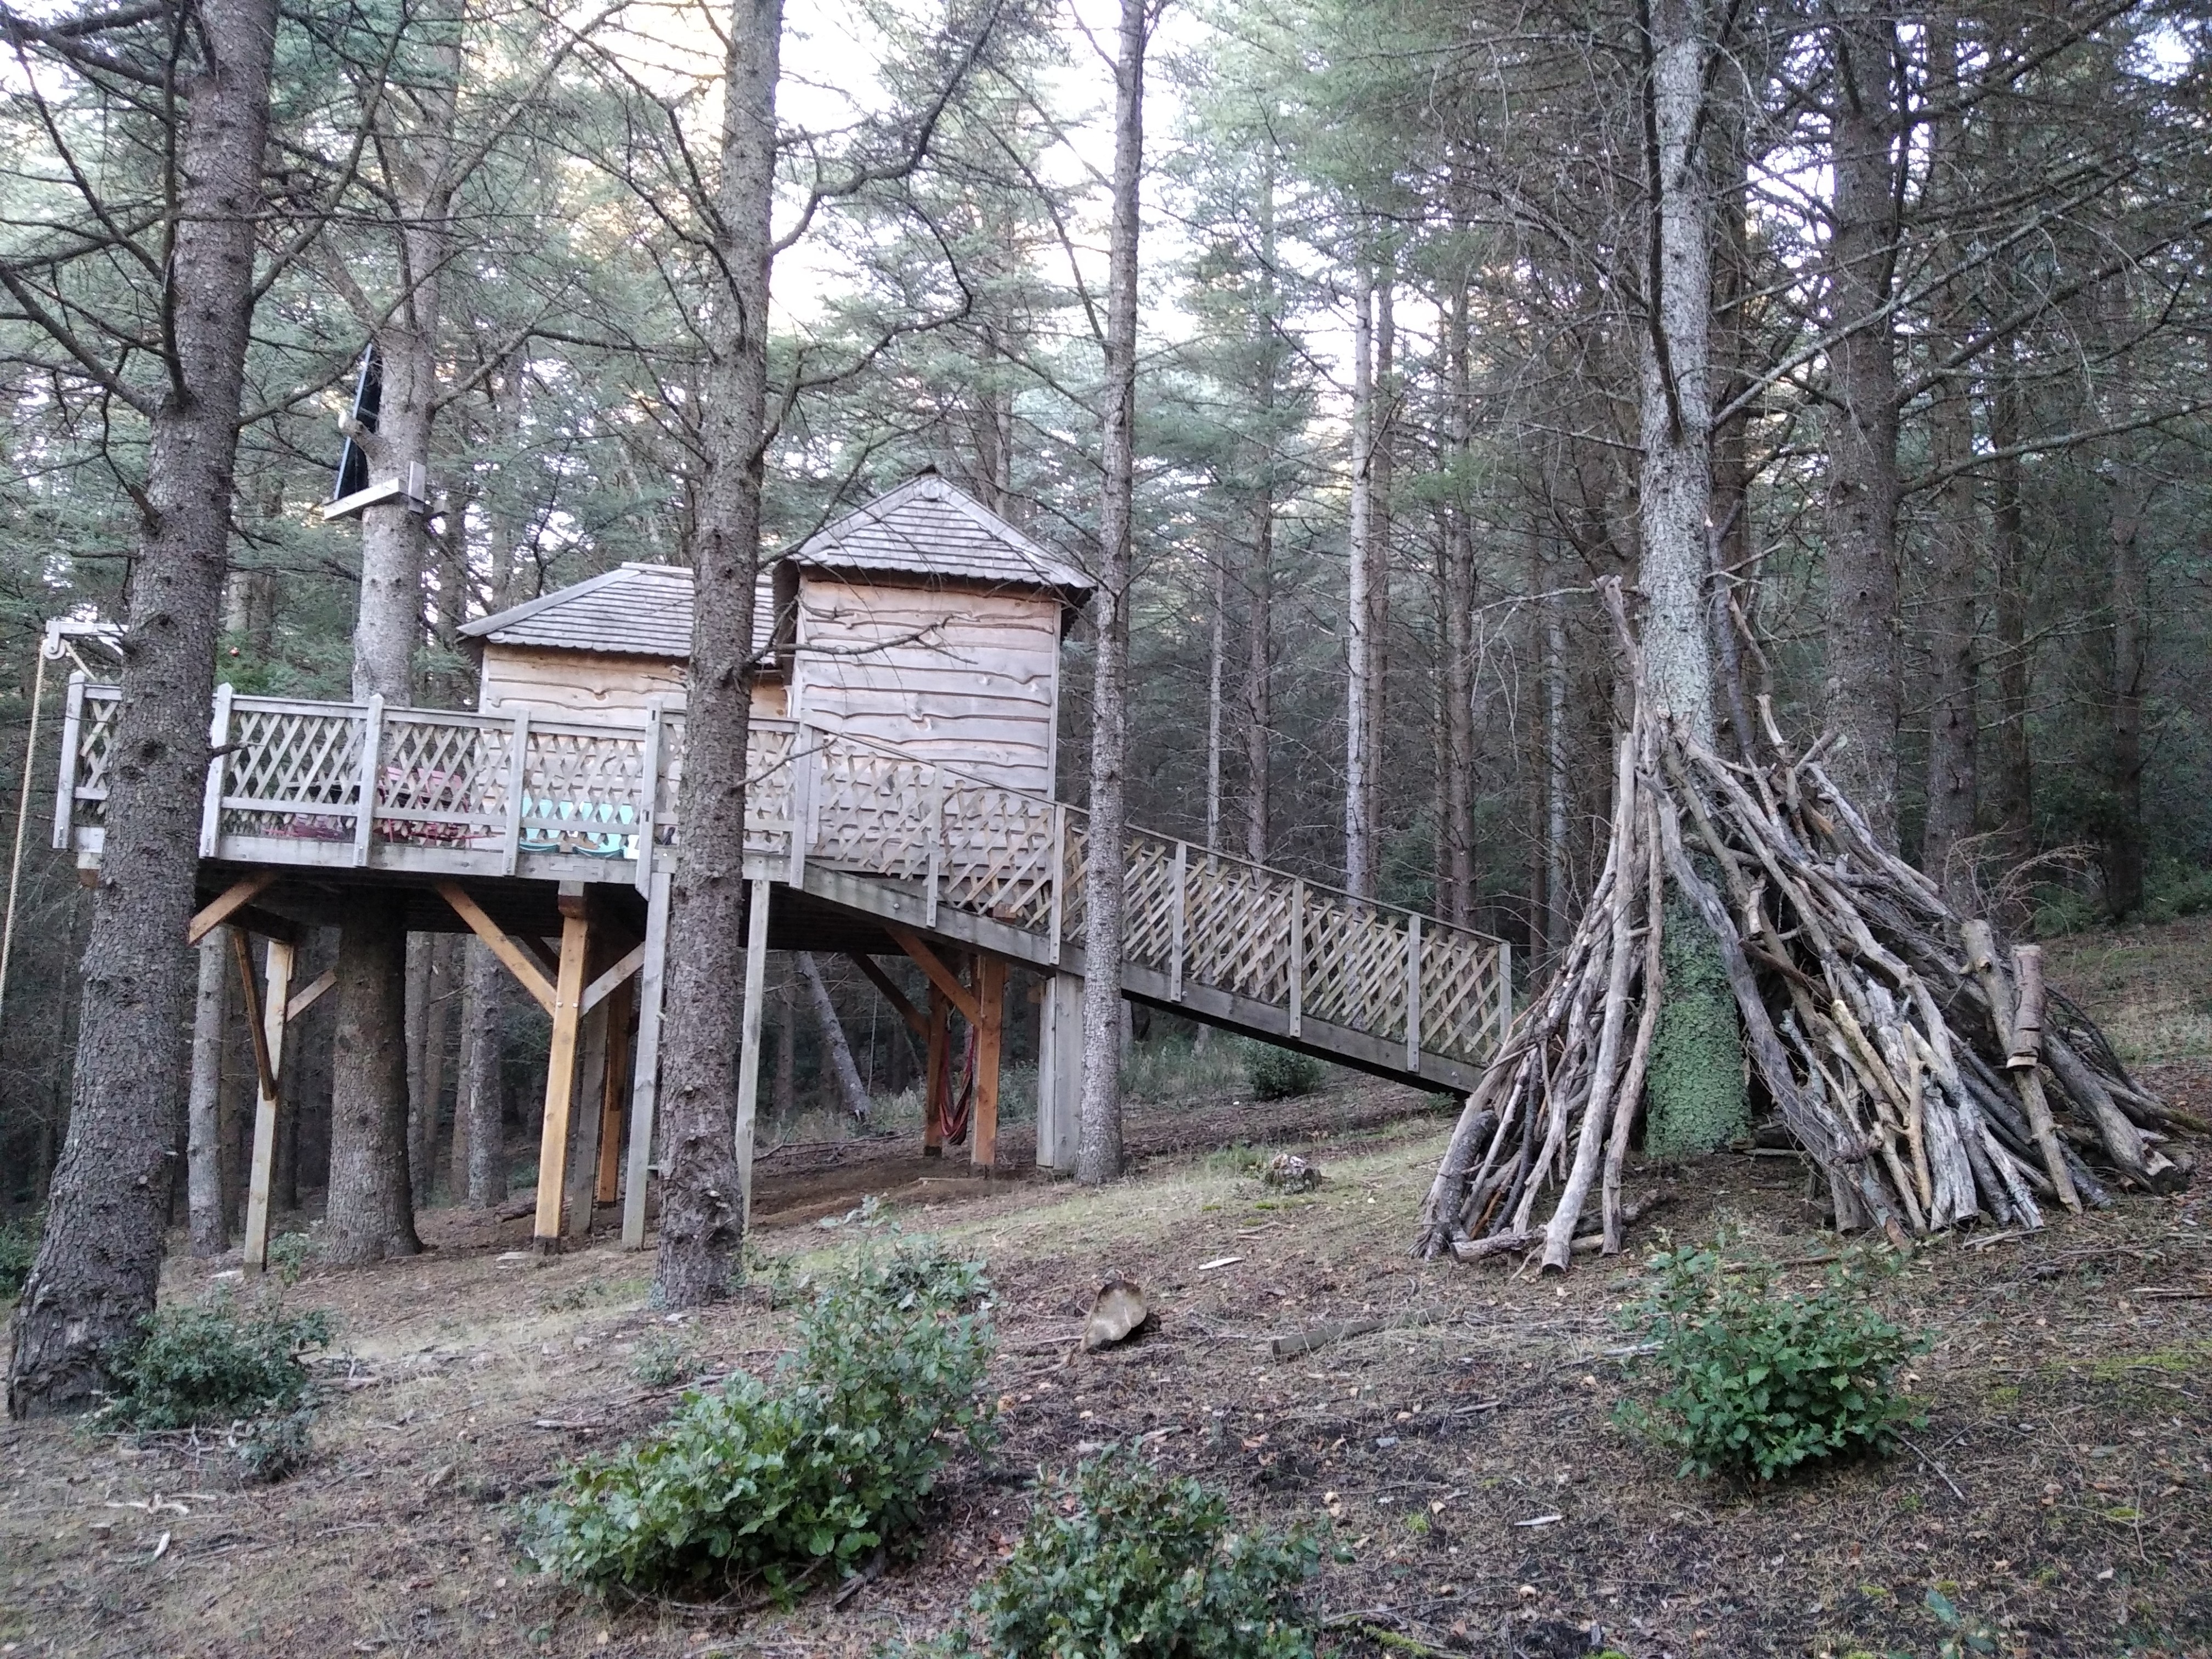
633,610
927,527
924,528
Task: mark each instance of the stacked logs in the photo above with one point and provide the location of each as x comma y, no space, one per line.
1929,1075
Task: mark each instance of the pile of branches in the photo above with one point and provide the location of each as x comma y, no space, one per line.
1932,1081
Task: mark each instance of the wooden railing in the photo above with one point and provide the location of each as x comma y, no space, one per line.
462,793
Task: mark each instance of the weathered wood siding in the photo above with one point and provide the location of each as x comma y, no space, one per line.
966,676
593,684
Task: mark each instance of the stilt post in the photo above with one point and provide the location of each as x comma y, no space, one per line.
608,1187
560,1065
749,1048
584,1128
644,1094
273,1011
937,1088
991,995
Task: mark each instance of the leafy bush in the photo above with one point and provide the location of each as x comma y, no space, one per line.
210,1365
1279,1073
1761,1380
19,1247
289,1255
663,1360
2175,888
744,1484
1123,1559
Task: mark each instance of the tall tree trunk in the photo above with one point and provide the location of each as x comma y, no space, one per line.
1098,1143
701,1206
1457,829
1216,672
1257,696
1674,498
1859,511
1559,780
1380,467
100,1255
1360,669
370,1216
203,1153
852,1093
422,1110
786,1096
2015,780
482,1099
2123,847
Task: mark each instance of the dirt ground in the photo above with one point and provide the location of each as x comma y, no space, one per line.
2060,1493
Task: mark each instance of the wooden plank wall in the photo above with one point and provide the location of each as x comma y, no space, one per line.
593,684
966,677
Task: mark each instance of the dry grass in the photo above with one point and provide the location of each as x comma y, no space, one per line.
2150,987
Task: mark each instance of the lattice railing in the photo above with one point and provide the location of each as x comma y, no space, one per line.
500,787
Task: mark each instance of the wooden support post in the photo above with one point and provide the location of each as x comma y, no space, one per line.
991,994
1176,920
937,1091
648,784
1060,1072
608,1188
561,1068
270,1019
1504,993
66,787
940,975
372,774
644,1093
1059,874
518,961
749,1045
518,785
218,762
1298,958
936,845
1413,994
584,1126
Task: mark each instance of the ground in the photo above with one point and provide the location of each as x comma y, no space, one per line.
2059,1492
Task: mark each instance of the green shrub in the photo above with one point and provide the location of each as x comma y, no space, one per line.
663,1360
1123,1559
2175,888
1761,1380
210,1365
289,1255
1280,1074
742,1483
19,1247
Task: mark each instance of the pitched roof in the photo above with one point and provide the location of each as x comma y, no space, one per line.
633,610
927,527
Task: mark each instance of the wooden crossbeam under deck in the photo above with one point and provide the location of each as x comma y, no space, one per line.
519,962
882,981
240,894
940,975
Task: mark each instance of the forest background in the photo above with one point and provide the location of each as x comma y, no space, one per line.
1387,436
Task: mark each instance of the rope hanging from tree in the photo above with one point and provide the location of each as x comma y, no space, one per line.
1931,1082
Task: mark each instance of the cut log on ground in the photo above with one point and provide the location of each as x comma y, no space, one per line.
1883,1027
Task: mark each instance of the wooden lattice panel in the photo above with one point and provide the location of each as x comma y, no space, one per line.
1357,964
441,778
294,769
1459,994
1148,899
771,788
1236,931
872,811
95,751
996,856
583,790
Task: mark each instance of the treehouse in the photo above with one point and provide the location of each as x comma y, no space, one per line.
900,802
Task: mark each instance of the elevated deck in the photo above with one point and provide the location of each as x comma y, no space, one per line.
524,827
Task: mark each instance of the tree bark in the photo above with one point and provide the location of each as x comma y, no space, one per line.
1257,696
203,1154
1457,830
1216,673
2016,781
1098,1144
2123,847
1859,510
1380,467
1359,672
100,1255
1674,500
852,1093
483,1096
785,1095
370,1215
702,1219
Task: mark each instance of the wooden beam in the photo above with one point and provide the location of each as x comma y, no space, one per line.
265,1065
991,992
547,951
604,986
608,1187
239,894
304,1000
748,1043
560,1077
586,1126
516,960
645,1090
937,1086
897,998
270,1041
940,975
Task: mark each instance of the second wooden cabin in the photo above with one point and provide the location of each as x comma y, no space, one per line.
922,620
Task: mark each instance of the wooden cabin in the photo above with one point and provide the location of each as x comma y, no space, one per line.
922,620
